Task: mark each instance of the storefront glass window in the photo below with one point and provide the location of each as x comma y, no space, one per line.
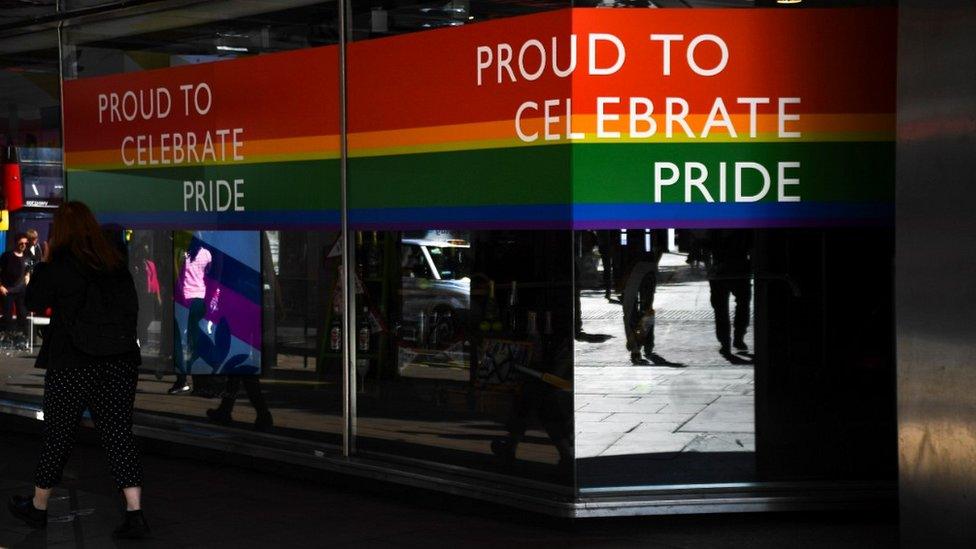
721,355
232,318
30,164
729,351
561,277
465,306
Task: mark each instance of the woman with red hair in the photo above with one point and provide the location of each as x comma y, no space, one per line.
92,357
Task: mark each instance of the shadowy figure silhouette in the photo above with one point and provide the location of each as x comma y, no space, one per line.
252,386
645,250
730,274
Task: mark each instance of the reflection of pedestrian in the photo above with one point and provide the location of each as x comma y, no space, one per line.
554,410
196,264
587,241
33,250
730,274
697,254
148,290
252,386
85,371
606,243
638,296
13,283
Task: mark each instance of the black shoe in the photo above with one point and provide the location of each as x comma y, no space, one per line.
23,508
179,389
740,344
263,423
219,417
134,526
636,360
725,351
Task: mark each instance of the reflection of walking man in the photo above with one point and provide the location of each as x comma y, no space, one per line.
645,250
730,274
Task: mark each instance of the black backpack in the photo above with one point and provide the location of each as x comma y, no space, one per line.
105,324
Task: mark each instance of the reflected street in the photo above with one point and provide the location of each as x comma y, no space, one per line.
690,399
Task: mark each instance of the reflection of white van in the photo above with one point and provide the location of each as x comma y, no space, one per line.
436,291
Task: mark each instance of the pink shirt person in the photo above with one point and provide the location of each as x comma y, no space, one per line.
194,286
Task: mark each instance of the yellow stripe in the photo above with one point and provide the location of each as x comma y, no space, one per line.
324,147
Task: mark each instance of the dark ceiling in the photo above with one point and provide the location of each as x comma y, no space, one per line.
16,11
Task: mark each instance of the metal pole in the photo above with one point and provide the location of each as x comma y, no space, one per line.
64,172
348,282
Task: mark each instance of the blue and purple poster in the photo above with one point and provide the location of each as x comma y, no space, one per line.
217,303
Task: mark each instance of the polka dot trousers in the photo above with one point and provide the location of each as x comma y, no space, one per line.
108,391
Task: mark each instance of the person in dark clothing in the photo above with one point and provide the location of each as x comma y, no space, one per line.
607,241
252,386
33,250
13,283
730,274
645,251
101,378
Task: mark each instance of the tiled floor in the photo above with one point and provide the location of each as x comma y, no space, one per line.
700,403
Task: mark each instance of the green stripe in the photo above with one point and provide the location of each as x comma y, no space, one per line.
829,172
521,175
602,173
306,185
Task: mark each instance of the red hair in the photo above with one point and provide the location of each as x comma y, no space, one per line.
76,231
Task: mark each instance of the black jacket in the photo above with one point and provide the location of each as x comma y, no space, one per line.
60,285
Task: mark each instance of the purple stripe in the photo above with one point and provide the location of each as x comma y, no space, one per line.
243,315
434,223
728,223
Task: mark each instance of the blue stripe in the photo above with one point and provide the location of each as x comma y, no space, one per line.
263,219
756,214
802,212
540,212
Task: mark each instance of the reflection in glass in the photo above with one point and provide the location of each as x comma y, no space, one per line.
269,324
294,393
656,394
464,349
218,305
765,355
30,167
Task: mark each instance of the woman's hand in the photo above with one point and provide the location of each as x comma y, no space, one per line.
45,252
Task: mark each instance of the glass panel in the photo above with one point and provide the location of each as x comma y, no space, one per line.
714,356
30,164
235,321
664,358
464,318
464,349
737,355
